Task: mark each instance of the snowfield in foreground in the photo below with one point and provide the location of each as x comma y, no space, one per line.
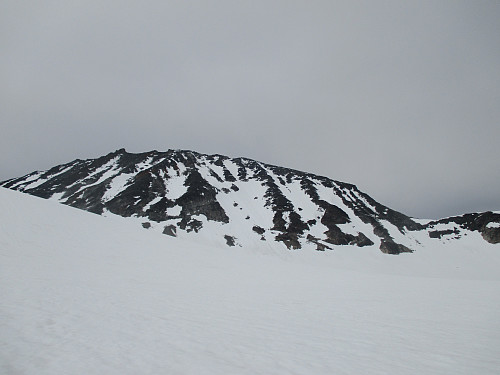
83,294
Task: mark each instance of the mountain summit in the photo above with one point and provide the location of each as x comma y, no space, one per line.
242,202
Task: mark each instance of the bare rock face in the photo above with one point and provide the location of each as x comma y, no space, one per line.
491,235
196,193
361,240
290,240
390,247
319,245
200,199
440,233
491,232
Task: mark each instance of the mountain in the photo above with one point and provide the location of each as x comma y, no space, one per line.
242,202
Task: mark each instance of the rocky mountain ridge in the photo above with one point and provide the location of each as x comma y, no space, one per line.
242,202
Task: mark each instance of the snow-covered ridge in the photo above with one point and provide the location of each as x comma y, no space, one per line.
241,202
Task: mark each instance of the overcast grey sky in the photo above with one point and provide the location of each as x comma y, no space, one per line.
401,98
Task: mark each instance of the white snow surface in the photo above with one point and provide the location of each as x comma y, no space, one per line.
84,294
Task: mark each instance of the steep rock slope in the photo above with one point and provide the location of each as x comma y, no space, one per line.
241,202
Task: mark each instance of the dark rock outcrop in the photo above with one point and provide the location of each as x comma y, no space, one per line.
290,240
258,230
441,233
390,247
170,230
492,235
319,245
230,240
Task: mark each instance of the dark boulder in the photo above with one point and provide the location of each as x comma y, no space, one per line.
170,230
230,240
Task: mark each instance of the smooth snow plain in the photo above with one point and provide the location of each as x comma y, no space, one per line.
83,294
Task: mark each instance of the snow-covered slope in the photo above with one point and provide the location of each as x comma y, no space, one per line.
242,202
83,294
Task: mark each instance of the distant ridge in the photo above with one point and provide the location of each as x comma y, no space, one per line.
242,202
